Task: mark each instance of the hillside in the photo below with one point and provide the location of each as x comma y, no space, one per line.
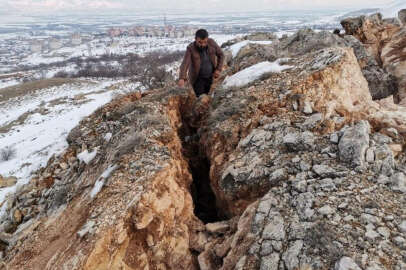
295,162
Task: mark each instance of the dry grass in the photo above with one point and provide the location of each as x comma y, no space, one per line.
19,121
30,87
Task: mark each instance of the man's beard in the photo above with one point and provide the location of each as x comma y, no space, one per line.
201,48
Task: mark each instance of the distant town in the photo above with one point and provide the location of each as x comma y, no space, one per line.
41,44
22,47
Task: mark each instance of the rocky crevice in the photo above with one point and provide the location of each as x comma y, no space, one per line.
205,207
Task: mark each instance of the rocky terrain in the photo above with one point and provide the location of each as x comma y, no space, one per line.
299,169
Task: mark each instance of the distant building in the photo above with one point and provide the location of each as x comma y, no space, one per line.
148,33
189,32
76,39
132,32
36,46
137,31
158,32
55,43
114,32
114,44
179,34
172,34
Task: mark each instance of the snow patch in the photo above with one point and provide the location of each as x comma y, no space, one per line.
253,73
87,157
87,228
106,174
97,187
235,48
100,182
107,137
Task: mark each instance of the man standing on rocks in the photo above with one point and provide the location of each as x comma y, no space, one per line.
202,62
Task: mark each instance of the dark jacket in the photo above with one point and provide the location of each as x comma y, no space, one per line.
189,70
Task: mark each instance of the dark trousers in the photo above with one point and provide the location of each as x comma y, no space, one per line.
202,86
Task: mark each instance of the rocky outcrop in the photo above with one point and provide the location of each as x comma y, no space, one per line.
296,197
402,16
381,84
394,61
258,36
296,170
385,41
371,31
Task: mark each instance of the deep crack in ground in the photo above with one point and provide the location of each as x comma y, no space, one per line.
204,199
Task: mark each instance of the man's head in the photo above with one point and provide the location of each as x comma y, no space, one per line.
201,38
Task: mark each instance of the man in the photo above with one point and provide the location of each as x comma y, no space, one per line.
202,62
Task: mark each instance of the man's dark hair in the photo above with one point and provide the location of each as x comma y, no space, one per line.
337,31
202,34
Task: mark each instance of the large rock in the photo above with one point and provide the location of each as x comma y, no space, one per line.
384,41
394,61
398,182
354,143
371,31
306,41
346,263
381,84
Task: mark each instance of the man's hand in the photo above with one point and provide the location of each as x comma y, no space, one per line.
181,83
216,74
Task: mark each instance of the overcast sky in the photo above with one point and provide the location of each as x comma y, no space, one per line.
49,6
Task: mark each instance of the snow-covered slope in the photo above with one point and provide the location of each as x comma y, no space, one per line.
392,9
36,125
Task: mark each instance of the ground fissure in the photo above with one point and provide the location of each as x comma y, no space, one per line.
204,199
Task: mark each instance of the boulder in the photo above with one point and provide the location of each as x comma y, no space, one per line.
381,84
346,263
394,61
354,143
398,182
384,41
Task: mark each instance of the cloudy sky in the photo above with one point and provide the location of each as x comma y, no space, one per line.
49,6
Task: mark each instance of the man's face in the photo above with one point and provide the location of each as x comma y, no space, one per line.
201,43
